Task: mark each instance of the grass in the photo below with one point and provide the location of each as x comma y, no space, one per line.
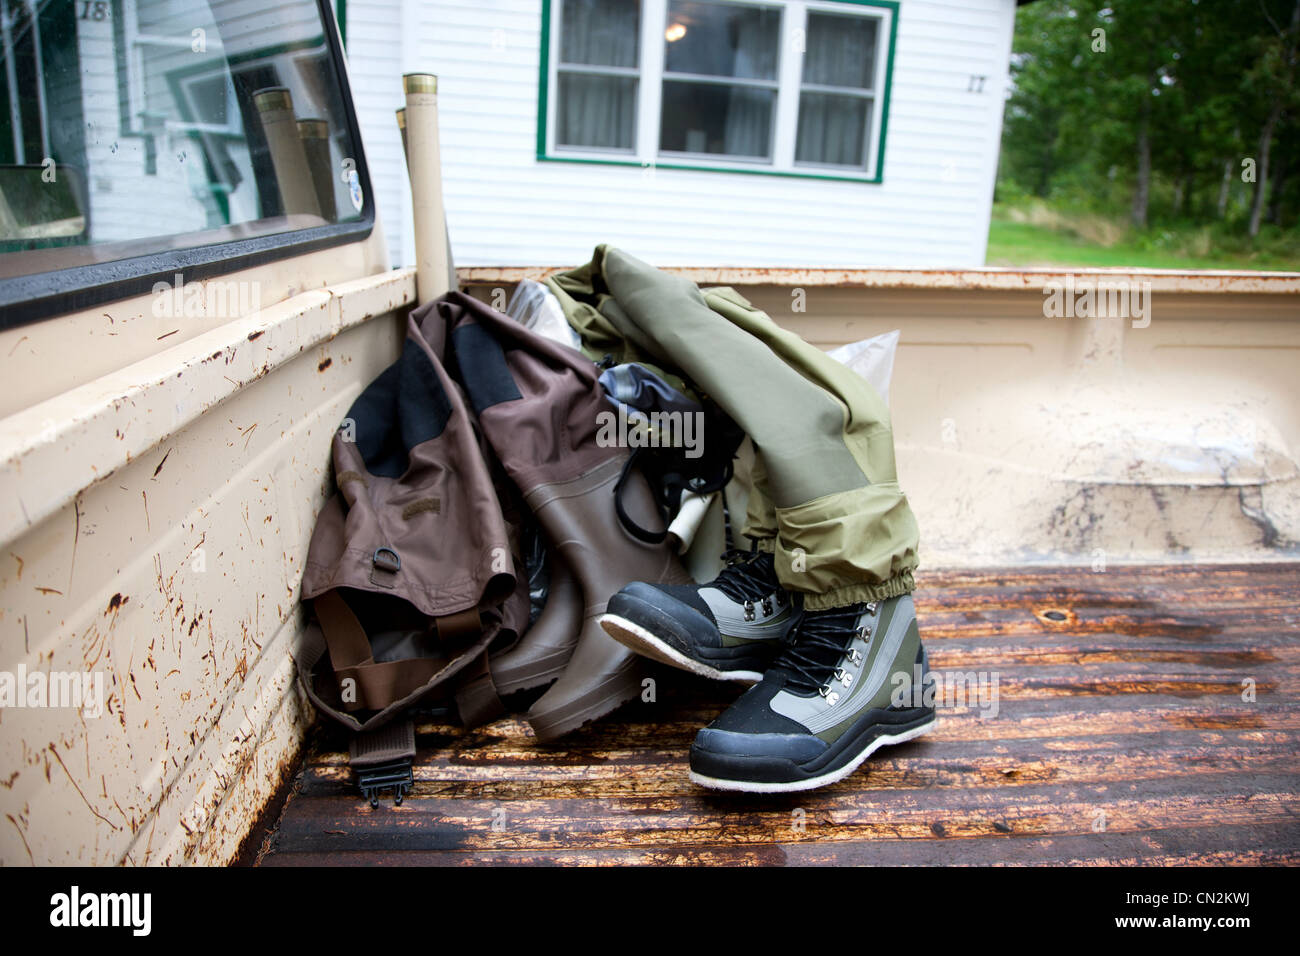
1036,235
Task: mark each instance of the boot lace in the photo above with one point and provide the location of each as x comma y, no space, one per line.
748,577
817,642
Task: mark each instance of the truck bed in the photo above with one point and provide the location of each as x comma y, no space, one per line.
1124,734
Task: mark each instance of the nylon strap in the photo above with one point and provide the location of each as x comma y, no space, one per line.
393,741
376,685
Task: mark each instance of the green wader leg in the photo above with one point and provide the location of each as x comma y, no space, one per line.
845,532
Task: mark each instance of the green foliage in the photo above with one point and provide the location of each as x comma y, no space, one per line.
1018,237
1201,77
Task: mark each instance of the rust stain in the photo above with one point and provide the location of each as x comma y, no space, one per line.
254,336
22,836
76,537
20,564
115,603
49,590
324,365
166,334
161,463
76,787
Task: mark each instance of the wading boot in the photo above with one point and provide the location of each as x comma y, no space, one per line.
842,687
728,629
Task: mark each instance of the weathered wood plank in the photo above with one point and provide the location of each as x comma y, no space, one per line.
653,821
1127,714
1216,846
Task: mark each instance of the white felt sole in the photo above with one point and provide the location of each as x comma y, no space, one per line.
637,638
812,783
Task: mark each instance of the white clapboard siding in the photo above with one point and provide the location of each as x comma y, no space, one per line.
506,207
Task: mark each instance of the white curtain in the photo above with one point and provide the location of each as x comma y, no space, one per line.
594,109
840,51
832,129
749,111
749,122
600,32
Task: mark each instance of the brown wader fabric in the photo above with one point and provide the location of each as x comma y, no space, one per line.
537,403
826,498
411,568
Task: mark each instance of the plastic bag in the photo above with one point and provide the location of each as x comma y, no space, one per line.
535,307
871,358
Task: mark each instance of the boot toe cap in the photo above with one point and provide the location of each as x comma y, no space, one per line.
798,748
664,614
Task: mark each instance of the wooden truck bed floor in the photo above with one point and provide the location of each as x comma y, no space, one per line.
1125,733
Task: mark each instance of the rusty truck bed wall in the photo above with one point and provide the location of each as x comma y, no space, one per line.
161,475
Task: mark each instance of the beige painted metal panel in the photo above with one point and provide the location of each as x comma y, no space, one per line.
158,503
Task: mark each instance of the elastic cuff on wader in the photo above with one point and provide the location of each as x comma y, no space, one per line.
896,586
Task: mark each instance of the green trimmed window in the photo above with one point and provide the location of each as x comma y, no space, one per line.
788,87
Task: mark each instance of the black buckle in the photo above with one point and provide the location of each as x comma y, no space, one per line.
394,775
386,559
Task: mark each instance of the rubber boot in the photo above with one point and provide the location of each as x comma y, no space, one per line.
546,647
537,404
579,517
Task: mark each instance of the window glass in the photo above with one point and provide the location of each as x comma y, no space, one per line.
600,32
717,44
597,111
166,124
597,82
840,50
722,39
715,98
835,100
710,118
832,129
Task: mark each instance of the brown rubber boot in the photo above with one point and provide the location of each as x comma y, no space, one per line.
579,516
537,404
545,649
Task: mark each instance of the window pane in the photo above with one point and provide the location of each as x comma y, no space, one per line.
722,39
600,32
833,129
144,127
716,118
840,50
596,111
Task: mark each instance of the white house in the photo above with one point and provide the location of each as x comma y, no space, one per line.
695,132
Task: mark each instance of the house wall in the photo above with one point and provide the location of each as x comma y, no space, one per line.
506,207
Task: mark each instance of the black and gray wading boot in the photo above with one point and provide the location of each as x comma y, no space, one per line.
728,629
850,680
